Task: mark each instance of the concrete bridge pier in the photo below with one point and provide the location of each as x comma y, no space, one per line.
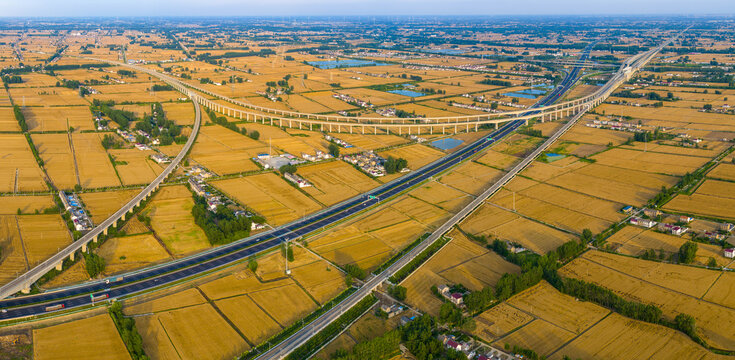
60,266
71,256
26,289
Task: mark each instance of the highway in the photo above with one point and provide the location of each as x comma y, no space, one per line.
176,270
299,338
212,259
25,280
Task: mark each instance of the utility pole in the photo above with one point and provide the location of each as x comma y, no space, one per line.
285,257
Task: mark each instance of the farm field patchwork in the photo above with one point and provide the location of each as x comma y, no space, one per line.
18,168
673,292
92,338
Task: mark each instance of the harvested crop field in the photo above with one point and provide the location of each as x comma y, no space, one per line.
723,171
293,303
500,320
442,195
249,318
55,151
134,166
673,288
660,163
18,168
26,204
704,205
335,181
196,332
100,205
505,225
224,151
12,259
471,177
634,241
461,261
270,196
59,118
172,221
93,162
131,252
43,236
617,337
92,338
349,245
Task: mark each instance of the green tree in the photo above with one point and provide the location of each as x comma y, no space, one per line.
687,252
398,292
333,149
253,264
254,135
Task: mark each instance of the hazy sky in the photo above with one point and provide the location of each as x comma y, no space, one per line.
357,7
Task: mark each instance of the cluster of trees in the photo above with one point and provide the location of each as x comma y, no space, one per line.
20,118
94,264
419,336
220,226
412,77
123,72
355,271
109,142
405,114
221,120
162,87
495,82
432,91
208,57
333,149
12,79
380,347
527,130
393,165
604,297
158,126
657,134
70,84
128,332
398,292
123,118
287,169
687,252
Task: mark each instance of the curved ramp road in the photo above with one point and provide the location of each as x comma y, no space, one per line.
212,259
24,282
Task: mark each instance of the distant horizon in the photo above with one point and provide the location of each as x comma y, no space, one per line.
330,8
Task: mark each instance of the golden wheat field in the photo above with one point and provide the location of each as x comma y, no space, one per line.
670,287
18,168
335,181
270,196
92,338
172,221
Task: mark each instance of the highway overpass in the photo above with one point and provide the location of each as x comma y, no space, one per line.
177,270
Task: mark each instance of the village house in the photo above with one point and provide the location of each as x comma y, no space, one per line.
642,222
652,213
729,253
